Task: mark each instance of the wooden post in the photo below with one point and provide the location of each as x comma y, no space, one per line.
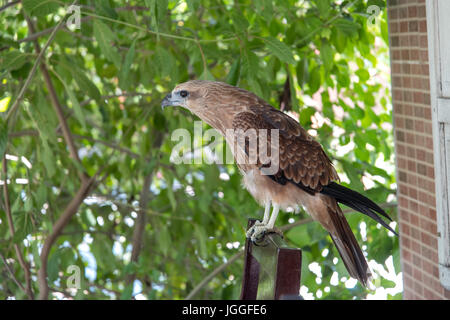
251,270
271,270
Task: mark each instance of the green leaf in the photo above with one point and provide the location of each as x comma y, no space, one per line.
22,223
280,50
164,240
127,293
315,80
250,64
362,154
105,37
354,176
233,75
75,104
193,4
165,63
305,116
172,199
240,23
339,41
126,66
294,99
14,60
48,159
348,27
327,54
265,9
103,8
201,241
299,236
151,4
206,75
302,72
53,266
43,118
83,82
40,7
363,75
4,103
324,7
161,7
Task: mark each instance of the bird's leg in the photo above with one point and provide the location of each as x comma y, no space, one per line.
260,230
266,213
260,223
273,217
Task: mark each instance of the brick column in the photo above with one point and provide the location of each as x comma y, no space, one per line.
414,149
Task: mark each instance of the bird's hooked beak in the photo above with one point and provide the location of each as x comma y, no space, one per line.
166,101
171,100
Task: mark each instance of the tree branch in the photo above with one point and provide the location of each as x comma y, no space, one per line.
71,209
140,223
141,219
57,105
9,4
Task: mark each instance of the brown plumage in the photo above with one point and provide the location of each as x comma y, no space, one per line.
303,175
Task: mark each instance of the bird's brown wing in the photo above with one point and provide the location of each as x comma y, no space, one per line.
301,159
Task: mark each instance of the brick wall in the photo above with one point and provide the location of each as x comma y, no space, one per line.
414,149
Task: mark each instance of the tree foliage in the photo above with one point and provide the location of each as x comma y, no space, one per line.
89,177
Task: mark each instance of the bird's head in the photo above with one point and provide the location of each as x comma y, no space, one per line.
212,101
202,95
191,95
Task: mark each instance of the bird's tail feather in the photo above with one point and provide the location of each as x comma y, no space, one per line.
348,247
357,202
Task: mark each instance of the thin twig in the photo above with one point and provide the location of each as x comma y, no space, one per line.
32,132
113,96
128,207
9,4
205,65
22,262
84,19
39,34
213,274
33,70
11,272
167,35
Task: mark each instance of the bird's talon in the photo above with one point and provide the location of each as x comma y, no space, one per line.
275,231
258,232
250,231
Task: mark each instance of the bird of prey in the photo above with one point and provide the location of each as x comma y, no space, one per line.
304,175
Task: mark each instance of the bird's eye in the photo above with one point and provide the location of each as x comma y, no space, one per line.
184,93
